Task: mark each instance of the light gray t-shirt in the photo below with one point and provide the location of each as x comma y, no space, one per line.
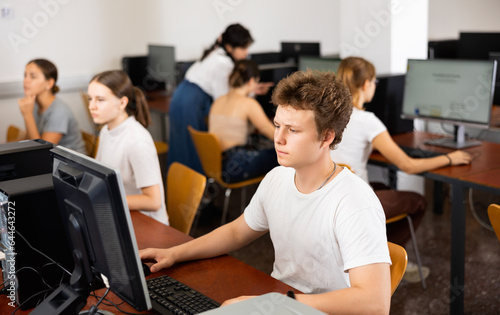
59,118
130,148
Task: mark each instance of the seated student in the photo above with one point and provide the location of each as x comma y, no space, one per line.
46,116
326,224
125,143
231,119
365,132
206,80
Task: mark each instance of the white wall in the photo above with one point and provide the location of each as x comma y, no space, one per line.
447,18
84,37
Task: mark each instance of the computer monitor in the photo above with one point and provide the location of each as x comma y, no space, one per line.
496,98
477,45
459,92
263,58
94,211
161,65
290,51
318,63
273,72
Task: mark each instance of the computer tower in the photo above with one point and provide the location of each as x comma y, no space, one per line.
25,158
387,103
33,239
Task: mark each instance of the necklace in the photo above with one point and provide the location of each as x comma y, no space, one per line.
330,176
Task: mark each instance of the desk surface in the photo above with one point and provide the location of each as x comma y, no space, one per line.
158,101
219,278
485,157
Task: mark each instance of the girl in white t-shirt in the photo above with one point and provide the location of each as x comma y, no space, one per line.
365,132
125,143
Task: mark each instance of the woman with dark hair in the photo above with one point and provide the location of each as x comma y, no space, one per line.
232,118
205,81
46,116
125,143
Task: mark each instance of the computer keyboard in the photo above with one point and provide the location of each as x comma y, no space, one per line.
420,153
170,296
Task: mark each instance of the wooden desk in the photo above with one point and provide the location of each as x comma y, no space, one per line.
159,102
219,278
483,174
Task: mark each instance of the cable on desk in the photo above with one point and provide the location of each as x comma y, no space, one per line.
41,253
474,213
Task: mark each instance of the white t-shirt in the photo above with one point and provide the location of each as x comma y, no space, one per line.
356,145
130,148
318,237
212,73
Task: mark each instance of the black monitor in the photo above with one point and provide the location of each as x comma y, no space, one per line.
477,45
290,51
387,103
442,49
263,58
496,98
459,92
161,65
318,63
273,72
94,211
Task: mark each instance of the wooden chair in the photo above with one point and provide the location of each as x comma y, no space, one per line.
91,143
15,133
494,215
185,188
399,260
208,147
414,240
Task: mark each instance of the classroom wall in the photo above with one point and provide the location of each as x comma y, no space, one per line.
84,37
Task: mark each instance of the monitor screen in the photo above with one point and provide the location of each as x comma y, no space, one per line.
455,91
318,63
290,51
94,210
161,65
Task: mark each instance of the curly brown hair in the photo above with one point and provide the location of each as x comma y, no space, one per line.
320,92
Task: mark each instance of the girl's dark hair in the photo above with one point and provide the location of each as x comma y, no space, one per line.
235,35
243,71
120,84
49,71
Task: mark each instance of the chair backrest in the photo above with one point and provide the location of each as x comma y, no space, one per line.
345,165
208,147
15,133
185,188
494,215
91,143
399,261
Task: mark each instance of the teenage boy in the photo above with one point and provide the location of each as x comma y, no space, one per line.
326,224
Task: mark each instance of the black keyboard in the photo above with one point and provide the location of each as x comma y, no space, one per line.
420,153
170,296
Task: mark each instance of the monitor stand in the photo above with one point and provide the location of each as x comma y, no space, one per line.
457,142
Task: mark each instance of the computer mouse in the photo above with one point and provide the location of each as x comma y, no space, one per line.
146,269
